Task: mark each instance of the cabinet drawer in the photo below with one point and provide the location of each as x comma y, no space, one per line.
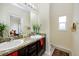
32,46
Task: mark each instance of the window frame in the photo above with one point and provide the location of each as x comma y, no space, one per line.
63,22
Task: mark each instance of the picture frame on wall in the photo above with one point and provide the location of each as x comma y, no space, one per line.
73,27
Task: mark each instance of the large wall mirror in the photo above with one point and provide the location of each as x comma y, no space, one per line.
18,18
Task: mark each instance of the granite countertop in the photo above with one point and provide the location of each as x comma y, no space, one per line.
26,42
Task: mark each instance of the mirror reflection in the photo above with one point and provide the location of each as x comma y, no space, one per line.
15,26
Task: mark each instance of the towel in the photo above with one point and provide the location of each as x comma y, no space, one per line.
41,42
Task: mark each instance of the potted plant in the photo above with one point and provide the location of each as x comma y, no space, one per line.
2,28
36,28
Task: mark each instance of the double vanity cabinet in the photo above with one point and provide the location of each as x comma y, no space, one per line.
34,49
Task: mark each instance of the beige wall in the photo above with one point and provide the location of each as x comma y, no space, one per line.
62,39
8,10
76,34
45,23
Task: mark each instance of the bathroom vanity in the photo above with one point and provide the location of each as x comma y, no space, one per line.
34,47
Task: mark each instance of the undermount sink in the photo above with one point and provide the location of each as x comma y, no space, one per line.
36,36
10,45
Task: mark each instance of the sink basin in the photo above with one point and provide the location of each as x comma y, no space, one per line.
10,45
36,36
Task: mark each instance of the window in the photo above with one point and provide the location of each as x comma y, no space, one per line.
62,23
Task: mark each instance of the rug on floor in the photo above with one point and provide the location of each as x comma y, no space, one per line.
58,52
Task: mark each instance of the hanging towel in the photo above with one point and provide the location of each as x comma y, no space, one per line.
41,42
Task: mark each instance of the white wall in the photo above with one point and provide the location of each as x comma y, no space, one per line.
60,38
76,34
7,10
45,25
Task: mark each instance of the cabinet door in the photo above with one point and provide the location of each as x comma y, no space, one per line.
13,54
41,43
41,46
21,52
32,49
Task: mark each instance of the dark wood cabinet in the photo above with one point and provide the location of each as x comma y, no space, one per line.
34,49
41,46
13,54
22,51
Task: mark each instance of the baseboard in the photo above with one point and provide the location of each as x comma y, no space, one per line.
63,49
47,53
